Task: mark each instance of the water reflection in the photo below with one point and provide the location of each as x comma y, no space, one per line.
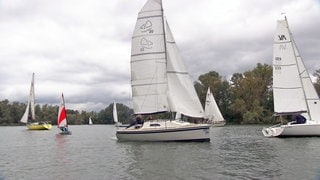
242,153
161,160
61,162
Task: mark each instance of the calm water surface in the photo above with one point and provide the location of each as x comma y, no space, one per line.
92,152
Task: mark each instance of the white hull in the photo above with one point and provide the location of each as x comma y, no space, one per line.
294,130
165,130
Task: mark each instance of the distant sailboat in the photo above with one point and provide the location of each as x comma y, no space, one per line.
212,111
29,118
62,118
90,121
293,90
160,83
115,113
115,117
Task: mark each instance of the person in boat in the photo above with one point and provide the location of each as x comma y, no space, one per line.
299,119
64,128
138,121
29,118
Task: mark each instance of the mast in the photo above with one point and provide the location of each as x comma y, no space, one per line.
32,99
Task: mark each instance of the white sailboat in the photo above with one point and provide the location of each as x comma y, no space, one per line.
115,113
90,121
212,111
293,90
161,83
115,117
62,122
29,118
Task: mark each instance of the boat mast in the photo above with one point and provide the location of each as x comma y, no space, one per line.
165,42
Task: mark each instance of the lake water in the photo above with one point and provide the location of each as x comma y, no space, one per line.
92,152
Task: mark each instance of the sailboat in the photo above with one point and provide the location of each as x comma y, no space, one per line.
115,117
90,121
115,113
62,122
29,117
212,111
160,83
293,91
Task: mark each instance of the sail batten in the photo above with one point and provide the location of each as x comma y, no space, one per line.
150,53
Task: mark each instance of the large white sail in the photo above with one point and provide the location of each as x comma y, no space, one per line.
90,121
30,105
287,87
24,118
211,110
182,95
148,61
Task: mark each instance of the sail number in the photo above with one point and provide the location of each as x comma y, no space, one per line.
282,37
277,63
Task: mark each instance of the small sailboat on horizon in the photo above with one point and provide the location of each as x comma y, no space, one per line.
29,117
62,122
90,121
293,91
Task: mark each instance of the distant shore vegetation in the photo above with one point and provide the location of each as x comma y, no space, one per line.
245,98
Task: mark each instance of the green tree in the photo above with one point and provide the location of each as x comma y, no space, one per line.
317,83
252,94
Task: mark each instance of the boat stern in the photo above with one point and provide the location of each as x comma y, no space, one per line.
272,131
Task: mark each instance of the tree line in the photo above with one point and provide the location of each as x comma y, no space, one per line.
245,98
11,113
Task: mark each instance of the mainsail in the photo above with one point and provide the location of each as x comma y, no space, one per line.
115,113
30,104
159,79
148,61
287,86
90,121
62,114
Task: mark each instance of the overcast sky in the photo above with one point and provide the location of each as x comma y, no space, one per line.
82,47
